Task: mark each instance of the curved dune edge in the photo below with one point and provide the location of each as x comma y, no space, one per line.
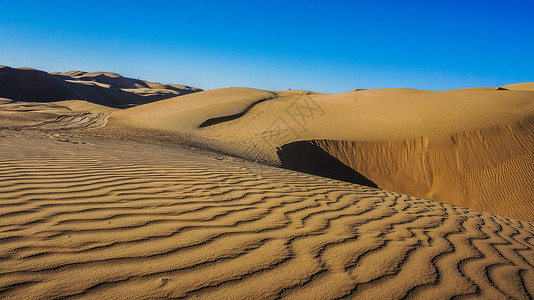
489,170
186,113
170,222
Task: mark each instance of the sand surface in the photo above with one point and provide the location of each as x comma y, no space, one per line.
185,198
468,147
84,218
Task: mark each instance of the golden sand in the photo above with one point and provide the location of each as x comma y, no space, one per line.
93,218
145,202
470,147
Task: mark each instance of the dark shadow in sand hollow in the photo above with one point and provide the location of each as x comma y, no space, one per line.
308,157
217,120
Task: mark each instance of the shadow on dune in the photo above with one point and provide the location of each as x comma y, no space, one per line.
217,120
308,157
32,85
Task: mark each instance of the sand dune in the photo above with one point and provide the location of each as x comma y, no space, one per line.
469,147
104,88
188,112
107,203
525,86
170,222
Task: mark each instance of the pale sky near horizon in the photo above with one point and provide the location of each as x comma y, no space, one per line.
323,46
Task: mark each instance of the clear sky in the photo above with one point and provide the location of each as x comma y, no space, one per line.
324,46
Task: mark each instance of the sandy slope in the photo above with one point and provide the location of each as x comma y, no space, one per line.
104,88
525,86
470,147
88,212
86,218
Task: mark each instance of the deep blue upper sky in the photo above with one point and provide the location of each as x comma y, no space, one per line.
324,46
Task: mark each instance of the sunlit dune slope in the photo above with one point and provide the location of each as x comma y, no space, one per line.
470,147
525,86
185,114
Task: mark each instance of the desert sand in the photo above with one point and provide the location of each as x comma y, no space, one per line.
469,147
175,222
383,194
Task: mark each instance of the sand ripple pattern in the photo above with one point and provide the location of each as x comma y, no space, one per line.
127,220
78,121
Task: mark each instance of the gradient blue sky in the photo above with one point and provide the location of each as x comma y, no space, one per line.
324,46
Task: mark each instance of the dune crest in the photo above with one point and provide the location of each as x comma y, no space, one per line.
525,86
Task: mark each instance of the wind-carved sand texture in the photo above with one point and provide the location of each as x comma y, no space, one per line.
91,220
52,116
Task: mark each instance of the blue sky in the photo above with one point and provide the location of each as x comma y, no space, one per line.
324,46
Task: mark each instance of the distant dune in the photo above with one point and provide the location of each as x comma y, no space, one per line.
104,88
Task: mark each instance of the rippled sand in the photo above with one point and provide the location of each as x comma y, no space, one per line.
85,217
